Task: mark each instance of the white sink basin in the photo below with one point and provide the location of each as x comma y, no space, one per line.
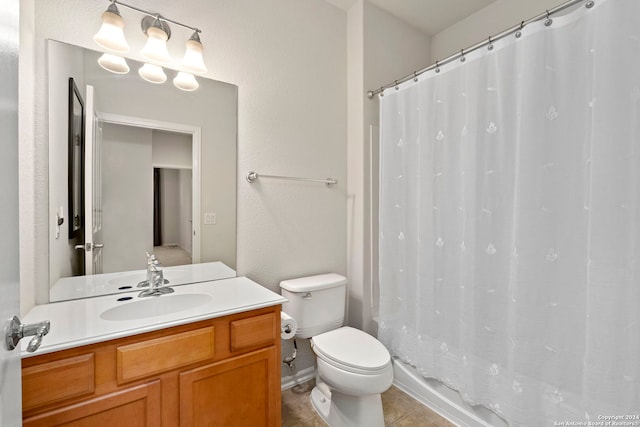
155,306
133,279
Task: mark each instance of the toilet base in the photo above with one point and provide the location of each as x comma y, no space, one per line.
341,410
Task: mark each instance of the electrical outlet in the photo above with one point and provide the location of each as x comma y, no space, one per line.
209,218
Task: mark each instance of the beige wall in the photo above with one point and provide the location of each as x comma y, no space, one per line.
169,203
186,200
171,150
381,49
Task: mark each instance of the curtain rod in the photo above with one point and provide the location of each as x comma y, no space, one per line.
489,43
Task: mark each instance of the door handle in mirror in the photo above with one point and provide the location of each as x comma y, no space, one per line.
89,246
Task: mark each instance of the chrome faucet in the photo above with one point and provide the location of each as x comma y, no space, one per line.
151,262
155,280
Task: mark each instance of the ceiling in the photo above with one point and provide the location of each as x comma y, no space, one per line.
430,16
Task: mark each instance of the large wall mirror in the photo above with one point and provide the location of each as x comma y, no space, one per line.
158,176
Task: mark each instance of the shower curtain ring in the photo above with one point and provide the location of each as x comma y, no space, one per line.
519,32
415,76
381,91
462,58
589,4
549,21
490,46
437,67
396,82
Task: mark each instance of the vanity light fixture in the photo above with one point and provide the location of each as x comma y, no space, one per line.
185,81
114,63
152,73
156,27
158,33
110,35
193,60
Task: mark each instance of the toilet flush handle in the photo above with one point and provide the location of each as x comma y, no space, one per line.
307,296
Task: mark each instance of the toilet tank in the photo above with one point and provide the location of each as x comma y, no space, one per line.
316,302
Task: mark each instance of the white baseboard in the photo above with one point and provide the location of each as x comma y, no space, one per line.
298,377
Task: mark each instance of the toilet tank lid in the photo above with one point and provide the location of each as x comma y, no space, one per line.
314,283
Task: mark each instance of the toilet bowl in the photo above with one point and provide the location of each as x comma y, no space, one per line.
353,368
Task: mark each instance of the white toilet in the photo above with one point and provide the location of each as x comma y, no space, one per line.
353,367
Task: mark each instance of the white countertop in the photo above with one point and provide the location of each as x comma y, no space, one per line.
111,283
78,322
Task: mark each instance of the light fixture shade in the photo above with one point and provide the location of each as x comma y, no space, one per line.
156,47
185,81
193,60
115,64
152,73
110,35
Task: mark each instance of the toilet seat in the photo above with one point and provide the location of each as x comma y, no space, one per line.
352,350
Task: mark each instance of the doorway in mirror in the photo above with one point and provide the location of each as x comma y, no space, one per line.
147,196
172,209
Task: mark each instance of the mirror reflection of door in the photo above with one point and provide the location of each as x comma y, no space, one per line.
93,188
129,156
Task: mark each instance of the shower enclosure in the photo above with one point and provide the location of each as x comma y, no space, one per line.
510,220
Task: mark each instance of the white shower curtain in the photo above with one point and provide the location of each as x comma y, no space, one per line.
510,221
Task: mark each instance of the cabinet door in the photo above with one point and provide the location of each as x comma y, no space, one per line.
132,407
242,391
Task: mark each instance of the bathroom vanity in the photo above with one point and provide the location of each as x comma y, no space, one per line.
216,361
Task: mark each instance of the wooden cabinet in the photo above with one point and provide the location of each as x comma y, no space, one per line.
218,372
241,386
133,406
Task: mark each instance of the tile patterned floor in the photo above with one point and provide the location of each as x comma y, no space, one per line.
400,410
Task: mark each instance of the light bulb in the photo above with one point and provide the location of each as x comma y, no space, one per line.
156,47
185,81
115,64
110,35
152,73
193,60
